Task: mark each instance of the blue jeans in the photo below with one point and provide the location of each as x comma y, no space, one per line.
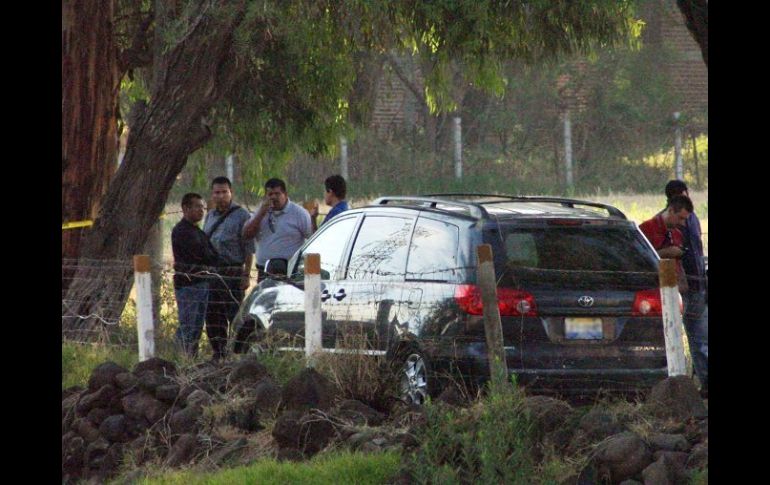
696,324
191,302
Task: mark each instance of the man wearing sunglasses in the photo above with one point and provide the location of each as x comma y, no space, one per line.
280,226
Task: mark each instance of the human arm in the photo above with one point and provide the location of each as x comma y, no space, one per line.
251,227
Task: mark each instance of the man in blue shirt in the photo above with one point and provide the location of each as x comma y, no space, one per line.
695,309
336,189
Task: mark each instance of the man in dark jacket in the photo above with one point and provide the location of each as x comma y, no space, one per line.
193,255
695,308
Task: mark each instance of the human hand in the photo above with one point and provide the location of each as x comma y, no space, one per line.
245,282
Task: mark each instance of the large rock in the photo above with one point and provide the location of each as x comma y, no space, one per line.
167,393
97,415
358,413
598,424
94,455
547,413
621,457
247,372
663,471
157,365
199,398
677,398
245,416
267,395
97,399
85,428
185,421
125,380
104,374
73,451
120,428
316,431
141,405
669,442
307,390
229,452
150,381
699,456
286,429
182,451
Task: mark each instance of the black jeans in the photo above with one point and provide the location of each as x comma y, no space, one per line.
225,296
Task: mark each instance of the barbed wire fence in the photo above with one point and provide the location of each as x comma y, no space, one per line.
363,313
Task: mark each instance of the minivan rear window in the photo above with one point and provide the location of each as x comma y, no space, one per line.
543,252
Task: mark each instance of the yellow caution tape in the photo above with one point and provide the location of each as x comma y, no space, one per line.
73,225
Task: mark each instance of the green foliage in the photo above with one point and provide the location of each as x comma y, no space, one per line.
700,477
490,443
342,467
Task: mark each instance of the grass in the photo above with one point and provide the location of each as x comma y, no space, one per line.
79,360
342,467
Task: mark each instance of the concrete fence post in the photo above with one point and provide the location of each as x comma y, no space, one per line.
458,142
344,157
144,326
678,147
673,329
312,307
568,151
493,327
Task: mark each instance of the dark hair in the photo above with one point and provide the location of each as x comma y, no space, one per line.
336,183
188,198
679,202
675,187
221,180
273,183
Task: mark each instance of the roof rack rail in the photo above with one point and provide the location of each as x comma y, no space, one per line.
613,211
476,211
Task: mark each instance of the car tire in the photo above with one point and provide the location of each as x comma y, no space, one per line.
413,375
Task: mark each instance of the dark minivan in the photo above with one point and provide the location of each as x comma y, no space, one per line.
577,290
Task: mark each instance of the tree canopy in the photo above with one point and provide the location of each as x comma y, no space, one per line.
275,74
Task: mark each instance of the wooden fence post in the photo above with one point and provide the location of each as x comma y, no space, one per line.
144,325
493,327
673,329
312,307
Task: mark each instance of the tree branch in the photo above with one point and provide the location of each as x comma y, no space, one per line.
404,79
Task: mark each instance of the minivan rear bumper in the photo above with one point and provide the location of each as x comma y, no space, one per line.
559,369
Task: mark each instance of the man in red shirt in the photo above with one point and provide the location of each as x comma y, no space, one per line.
665,236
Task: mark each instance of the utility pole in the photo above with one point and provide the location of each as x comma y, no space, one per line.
678,147
568,150
344,157
229,167
458,136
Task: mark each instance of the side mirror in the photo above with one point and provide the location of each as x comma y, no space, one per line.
276,267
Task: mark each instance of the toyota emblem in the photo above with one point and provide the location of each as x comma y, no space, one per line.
586,301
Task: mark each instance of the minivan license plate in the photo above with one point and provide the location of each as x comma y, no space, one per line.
583,328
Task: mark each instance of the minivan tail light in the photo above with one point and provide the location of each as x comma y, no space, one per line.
510,301
647,303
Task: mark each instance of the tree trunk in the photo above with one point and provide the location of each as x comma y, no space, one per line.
696,17
193,74
90,85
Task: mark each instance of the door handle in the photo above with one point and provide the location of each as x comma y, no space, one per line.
325,295
340,294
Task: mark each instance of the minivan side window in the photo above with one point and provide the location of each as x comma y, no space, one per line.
433,252
329,244
380,249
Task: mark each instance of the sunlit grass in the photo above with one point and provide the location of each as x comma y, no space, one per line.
343,467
